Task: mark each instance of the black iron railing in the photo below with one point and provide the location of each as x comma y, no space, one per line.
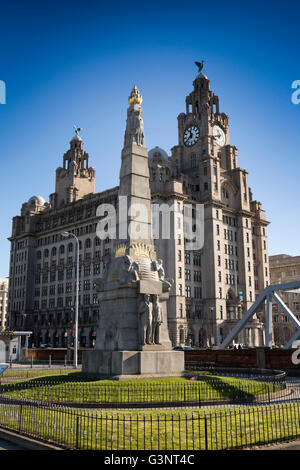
216,390
227,428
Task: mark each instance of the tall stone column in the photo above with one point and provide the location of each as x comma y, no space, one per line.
135,224
132,335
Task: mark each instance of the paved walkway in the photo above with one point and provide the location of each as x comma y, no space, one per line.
292,445
38,366
5,445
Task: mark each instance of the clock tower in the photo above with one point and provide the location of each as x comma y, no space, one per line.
223,278
202,130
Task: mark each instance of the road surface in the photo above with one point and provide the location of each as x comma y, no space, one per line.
6,445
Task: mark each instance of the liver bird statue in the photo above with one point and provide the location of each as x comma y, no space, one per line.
200,66
77,130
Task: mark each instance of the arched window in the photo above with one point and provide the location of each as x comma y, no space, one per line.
225,193
39,254
88,243
46,253
61,249
53,251
70,247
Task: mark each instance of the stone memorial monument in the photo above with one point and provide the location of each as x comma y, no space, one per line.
132,334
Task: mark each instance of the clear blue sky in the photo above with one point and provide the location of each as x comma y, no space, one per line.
75,62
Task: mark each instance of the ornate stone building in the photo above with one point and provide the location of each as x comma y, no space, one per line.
212,287
284,268
42,263
215,285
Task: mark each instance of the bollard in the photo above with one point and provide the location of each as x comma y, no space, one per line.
49,361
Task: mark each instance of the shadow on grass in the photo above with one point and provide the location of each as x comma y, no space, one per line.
46,380
236,390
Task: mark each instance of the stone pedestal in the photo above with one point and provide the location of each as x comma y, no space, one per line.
129,363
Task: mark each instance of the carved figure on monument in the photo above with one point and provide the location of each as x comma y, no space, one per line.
134,126
156,320
145,320
139,137
129,271
158,266
135,131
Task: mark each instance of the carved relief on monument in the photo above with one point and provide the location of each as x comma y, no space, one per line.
157,320
150,320
145,309
157,265
129,272
134,125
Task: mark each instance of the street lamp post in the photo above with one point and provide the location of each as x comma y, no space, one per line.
75,361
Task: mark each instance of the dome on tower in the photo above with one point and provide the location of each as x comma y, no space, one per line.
77,137
158,152
201,75
39,200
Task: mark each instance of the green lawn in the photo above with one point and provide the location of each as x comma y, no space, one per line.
212,429
228,428
71,388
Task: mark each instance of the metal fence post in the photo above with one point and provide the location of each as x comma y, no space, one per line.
77,432
20,418
205,429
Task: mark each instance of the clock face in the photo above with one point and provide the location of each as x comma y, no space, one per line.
191,135
219,135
